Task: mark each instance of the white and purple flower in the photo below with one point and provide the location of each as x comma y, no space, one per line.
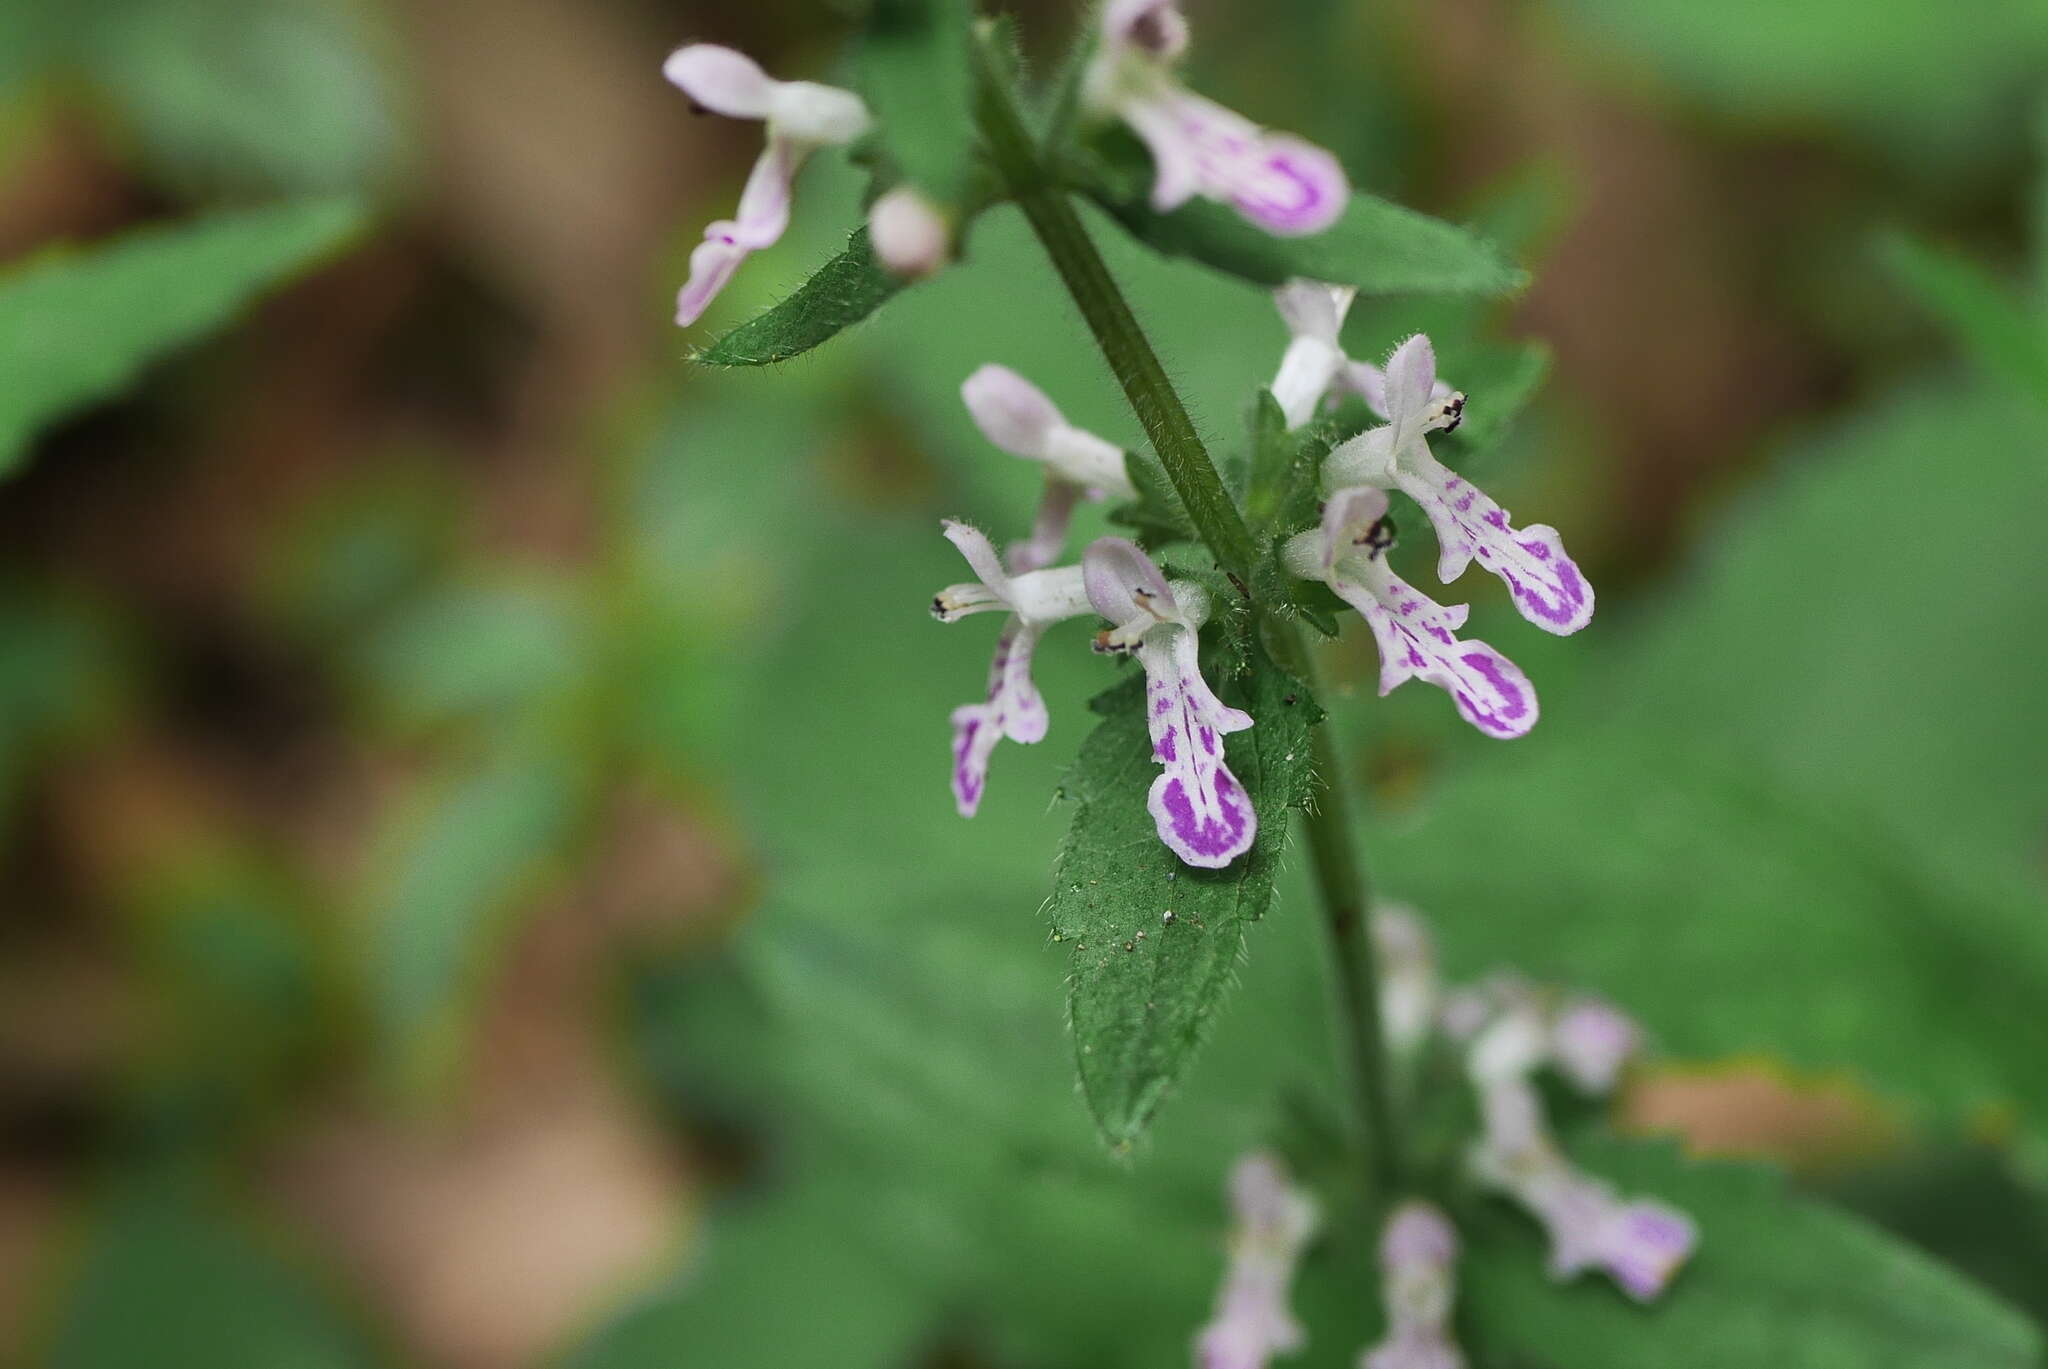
1417,636
1314,366
1546,585
1035,598
1202,812
1274,1220
1417,1251
1286,186
800,115
1640,1243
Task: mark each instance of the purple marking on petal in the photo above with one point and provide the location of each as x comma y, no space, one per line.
1197,805
1642,1244
1501,702
1547,587
1296,188
974,736
1417,640
1015,709
1286,186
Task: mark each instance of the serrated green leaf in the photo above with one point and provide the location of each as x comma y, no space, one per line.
1778,1279
1989,318
1144,987
915,73
1380,247
838,295
78,325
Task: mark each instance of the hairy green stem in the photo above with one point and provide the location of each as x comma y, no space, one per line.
1166,422
1346,894
1340,879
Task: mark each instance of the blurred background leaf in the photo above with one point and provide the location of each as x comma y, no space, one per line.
79,327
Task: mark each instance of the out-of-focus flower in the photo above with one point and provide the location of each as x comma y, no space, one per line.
1640,1243
800,115
1417,636
1201,811
1409,990
1017,416
909,234
1284,185
1274,1220
1035,599
1546,585
1417,1252
1591,1040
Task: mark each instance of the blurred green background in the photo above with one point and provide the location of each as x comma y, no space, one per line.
474,787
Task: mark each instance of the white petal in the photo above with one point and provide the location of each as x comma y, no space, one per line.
821,115
721,80
1011,412
1124,586
1410,380
1313,309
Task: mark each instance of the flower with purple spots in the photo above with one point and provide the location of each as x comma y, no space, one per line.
1274,1220
1417,636
1202,812
1314,367
1417,1251
800,115
1035,598
1546,585
1286,186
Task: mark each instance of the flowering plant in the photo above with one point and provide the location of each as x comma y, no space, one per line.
1214,746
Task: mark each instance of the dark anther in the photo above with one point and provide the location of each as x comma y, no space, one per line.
1149,32
1239,583
1454,408
1379,537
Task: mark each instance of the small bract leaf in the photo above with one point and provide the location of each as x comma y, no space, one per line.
840,293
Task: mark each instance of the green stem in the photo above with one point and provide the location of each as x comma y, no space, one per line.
1166,422
1340,879
1346,896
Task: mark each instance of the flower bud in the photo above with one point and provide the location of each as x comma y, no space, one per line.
910,236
